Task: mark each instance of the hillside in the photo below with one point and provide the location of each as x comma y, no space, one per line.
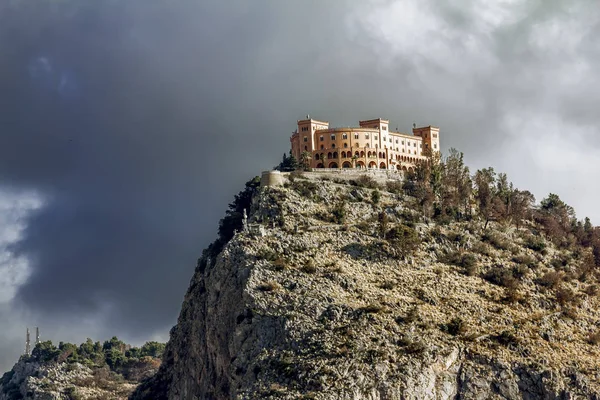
361,288
91,371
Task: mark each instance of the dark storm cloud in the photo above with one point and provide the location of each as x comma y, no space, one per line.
137,121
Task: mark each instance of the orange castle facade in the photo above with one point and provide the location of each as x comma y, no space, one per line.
371,145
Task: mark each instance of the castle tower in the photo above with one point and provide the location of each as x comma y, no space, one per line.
431,137
306,135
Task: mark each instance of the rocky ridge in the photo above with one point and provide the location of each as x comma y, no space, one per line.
329,305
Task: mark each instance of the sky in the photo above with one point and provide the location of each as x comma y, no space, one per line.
126,127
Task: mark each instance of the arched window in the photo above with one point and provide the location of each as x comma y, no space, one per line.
362,153
329,155
305,148
316,156
345,145
335,154
333,145
322,147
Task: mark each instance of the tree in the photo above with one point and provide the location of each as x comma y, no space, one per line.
558,220
521,204
288,163
457,186
305,159
484,193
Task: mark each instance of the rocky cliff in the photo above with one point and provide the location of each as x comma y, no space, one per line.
349,293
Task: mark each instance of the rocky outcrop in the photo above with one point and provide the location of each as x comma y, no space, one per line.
30,380
322,308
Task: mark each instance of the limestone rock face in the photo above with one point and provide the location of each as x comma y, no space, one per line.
322,308
30,380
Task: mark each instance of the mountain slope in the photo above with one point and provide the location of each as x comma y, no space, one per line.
350,295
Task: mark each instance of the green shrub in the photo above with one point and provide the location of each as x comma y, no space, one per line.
375,196
496,240
394,187
482,248
339,213
467,261
405,239
535,243
266,254
524,259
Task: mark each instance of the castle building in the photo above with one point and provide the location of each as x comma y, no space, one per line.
370,145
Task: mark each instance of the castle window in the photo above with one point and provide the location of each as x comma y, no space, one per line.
414,145
333,145
375,137
421,145
305,139
321,138
345,145
435,135
304,128
435,146
316,156
356,136
332,137
305,148
344,136
390,140
384,128
403,142
366,135
322,147
384,138
396,141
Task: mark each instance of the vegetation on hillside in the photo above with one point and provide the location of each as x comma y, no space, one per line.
112,356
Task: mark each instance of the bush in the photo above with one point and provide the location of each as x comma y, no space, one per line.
405,239
455,327
339,213
266,254
566,296
375,196
309,267
506,339
268,286
482,248
594,338
496,240
526,260
501,276
535,243
467,261
365,181
394,187
550,279
372,309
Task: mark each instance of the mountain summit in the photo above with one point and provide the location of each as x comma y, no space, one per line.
363,285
